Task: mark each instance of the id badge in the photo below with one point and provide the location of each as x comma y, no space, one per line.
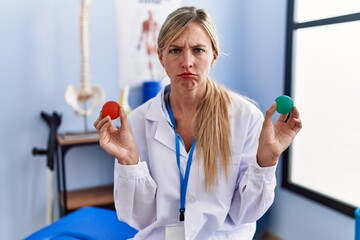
175,232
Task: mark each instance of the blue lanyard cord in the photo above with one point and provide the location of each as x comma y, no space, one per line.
183,180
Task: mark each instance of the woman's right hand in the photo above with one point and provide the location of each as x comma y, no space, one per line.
118,142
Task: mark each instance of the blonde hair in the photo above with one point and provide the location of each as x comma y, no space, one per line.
213,136
213,124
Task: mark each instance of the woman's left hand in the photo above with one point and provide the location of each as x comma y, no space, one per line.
276,138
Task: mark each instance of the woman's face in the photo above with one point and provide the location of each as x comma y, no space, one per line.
188,59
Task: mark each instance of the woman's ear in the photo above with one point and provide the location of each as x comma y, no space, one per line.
160,57
213,61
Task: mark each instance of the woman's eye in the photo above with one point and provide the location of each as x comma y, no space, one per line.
174,50
198,50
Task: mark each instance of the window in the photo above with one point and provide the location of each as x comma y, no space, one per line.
323,76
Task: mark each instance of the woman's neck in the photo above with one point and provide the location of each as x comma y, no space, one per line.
186,102
184,108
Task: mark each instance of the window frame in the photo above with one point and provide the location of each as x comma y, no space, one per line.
291,27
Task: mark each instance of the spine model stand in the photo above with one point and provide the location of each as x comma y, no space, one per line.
78,97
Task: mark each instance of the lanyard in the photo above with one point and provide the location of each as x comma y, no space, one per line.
183,180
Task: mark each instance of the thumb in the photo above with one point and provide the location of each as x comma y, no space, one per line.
269,114
123,119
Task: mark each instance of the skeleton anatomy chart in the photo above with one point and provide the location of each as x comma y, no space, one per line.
139,22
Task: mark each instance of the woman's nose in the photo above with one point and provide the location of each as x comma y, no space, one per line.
187,61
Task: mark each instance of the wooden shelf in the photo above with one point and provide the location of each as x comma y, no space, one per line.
95,196
100,196
70,139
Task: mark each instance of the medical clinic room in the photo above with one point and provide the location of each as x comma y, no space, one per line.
180,120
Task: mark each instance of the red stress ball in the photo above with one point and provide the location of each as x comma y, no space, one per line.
112,109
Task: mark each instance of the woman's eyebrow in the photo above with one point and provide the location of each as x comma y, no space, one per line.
174,46
193,46
199,46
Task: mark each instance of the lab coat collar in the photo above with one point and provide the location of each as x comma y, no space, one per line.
164,132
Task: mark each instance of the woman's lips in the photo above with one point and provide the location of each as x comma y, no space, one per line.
187,75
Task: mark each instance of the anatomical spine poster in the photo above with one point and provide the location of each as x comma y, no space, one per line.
138,23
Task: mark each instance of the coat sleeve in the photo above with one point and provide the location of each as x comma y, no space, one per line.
255,185
134,188
134,194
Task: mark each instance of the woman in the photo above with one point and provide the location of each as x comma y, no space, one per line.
197,161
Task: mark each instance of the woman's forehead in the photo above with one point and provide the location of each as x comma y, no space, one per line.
194,35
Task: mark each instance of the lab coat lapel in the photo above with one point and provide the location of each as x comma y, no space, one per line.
164,132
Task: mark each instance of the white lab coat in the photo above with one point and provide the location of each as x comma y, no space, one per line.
147,194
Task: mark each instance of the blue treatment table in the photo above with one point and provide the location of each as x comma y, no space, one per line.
88,223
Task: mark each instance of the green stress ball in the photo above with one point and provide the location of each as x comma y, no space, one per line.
284,104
